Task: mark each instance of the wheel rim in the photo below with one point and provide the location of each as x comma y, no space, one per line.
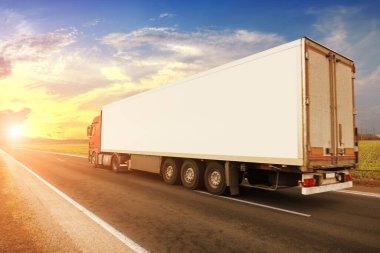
215,179
189,175
169,172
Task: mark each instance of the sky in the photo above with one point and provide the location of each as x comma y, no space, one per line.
60,61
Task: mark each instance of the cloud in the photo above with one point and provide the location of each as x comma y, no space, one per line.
14,116
14,24
348,31
32,48
166,15
36,46
93,22
114,74
368,93
335,33
334,10
332,25
163,15
49,60
138,37
5,67
157,37
156,47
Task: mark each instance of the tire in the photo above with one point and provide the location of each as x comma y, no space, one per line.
192,174
94,159
170,171
115,164
214,179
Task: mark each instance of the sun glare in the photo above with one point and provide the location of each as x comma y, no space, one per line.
15,132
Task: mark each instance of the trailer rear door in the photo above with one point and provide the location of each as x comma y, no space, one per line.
330,105
344,72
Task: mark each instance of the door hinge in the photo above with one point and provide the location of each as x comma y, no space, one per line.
307,101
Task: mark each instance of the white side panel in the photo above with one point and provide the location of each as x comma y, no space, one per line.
247,108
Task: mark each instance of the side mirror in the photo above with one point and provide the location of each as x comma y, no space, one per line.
89,130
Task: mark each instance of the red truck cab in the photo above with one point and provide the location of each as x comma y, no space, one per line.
94,132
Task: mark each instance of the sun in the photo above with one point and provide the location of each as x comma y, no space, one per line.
16,131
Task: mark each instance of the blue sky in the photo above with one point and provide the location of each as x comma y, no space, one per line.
69,54
292,18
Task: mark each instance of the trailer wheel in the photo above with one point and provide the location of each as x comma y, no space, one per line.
192,174
94,159
115,164
170,171
215,180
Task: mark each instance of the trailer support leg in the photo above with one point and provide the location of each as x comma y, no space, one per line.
232,178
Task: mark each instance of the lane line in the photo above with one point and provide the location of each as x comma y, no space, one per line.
368,194
123,238
257,204
54,153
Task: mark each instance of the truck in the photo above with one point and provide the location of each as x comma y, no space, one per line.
284,117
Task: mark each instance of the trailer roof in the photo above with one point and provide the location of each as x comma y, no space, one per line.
319,44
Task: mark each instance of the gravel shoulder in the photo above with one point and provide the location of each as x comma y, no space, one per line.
366,188
35,219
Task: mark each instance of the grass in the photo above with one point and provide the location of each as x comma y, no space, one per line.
369,160
369,155
81,149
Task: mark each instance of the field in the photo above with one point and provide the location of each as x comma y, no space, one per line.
369,156
369,160
81,149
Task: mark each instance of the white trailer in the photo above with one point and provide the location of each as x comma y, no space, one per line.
281,117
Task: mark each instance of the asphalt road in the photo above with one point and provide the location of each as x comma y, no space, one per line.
165,218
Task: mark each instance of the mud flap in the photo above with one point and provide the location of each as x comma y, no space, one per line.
232,178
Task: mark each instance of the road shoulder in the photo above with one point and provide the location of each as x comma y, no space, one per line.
36,219
365,188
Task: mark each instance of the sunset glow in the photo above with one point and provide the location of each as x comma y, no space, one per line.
58,67
16,132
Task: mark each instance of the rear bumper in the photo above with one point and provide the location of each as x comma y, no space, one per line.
325,188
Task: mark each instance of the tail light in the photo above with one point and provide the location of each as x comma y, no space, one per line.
348,177
309,182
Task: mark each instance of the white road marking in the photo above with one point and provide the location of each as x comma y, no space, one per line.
257,204
54,153
368,194
123,238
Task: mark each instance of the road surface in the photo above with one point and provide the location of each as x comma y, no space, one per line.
165,218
